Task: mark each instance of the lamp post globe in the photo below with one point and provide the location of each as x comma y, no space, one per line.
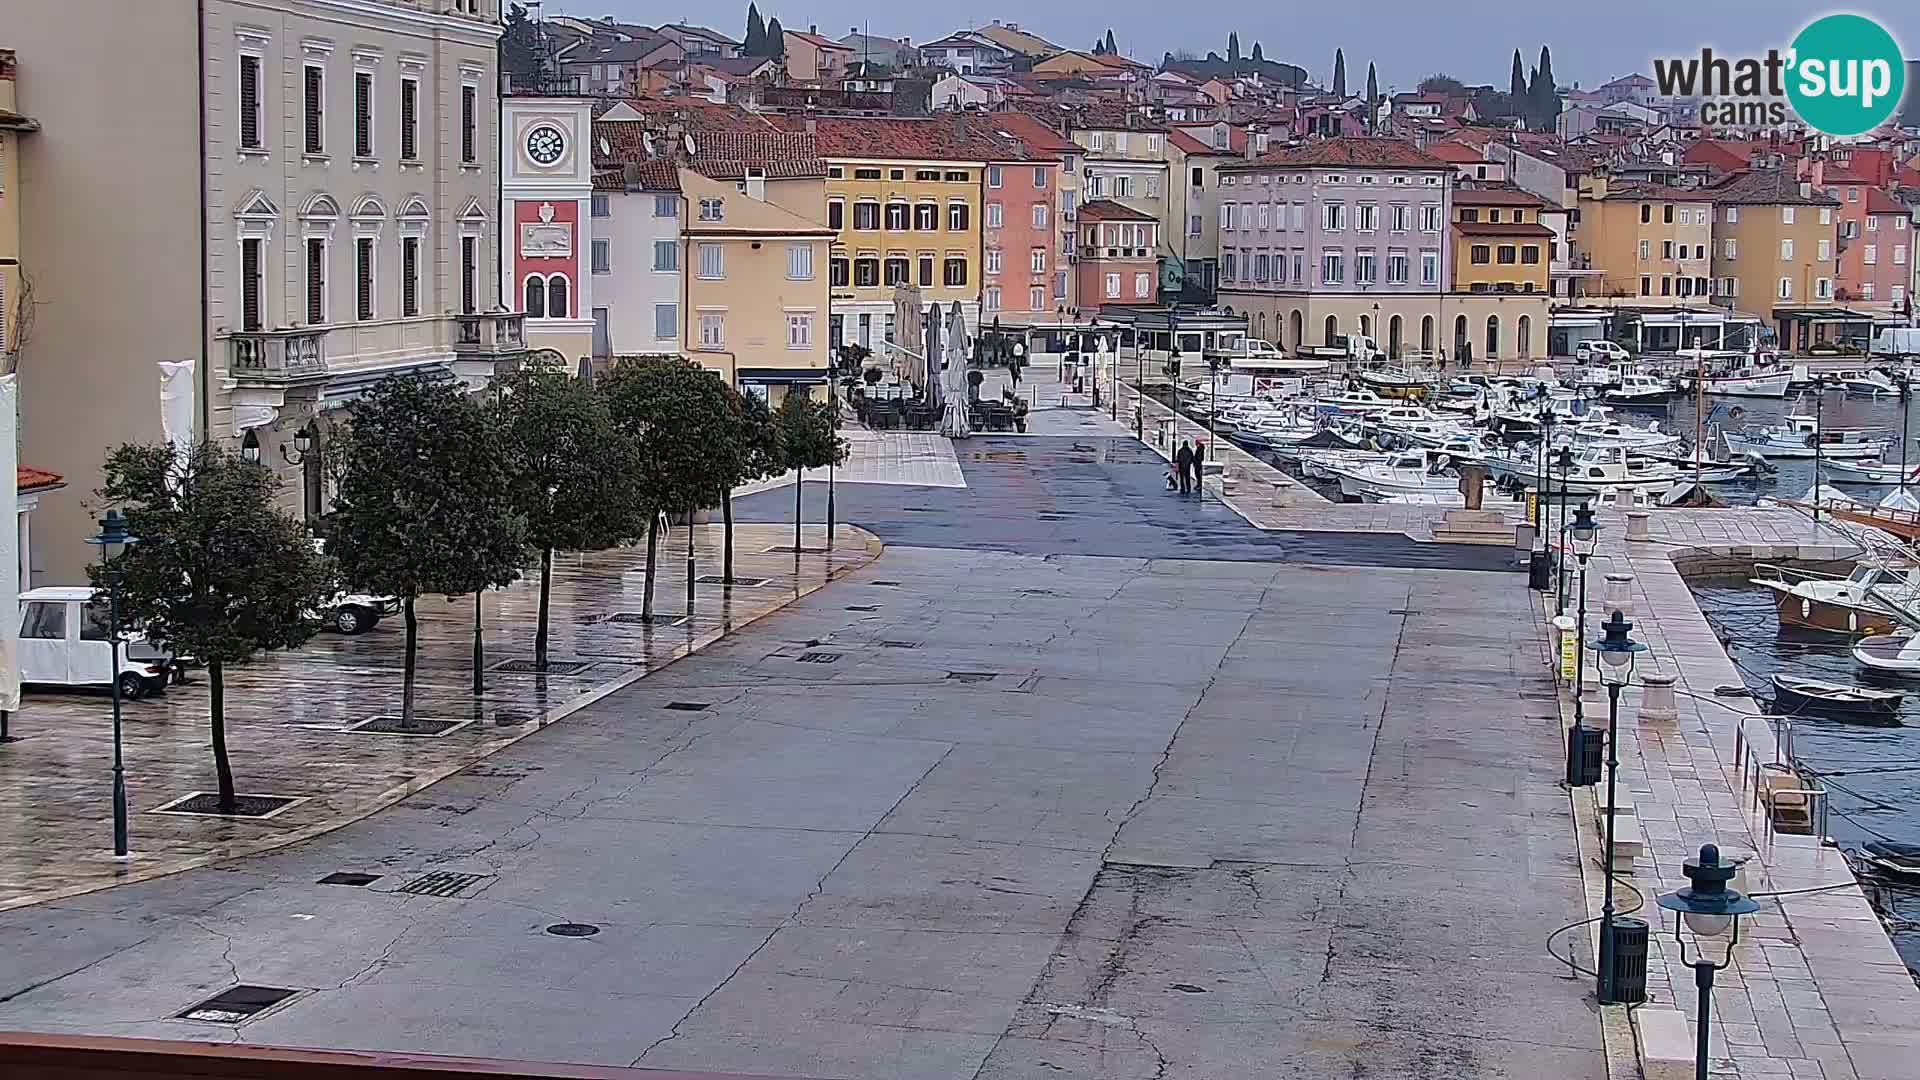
1586,534
250,447
1708,906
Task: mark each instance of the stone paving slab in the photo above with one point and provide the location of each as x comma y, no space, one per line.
287,713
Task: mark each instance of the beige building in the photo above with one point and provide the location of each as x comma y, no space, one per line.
755,258
314,210
1648,242
1774,249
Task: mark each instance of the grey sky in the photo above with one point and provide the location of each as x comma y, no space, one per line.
1408,39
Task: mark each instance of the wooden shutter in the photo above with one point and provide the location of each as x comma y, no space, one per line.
314,110
363,273
250,101
362,114
316,282
409,276
468,259
409,118
250,284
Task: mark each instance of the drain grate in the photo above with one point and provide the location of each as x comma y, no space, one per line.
1038,592
687,706
972,676
509,718
899,644
636,618
237,1005
344,877
738,582
420,727
1402,611
207,804
525,666
573,929
863,607
818,657
443,883
885,584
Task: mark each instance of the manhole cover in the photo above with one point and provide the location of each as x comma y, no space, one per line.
738,582
687,706
1189,988
636,618
207,804
507,718
442,883
573,929
420,727
525,666
885,584
237,1005
899,644
1402,611
344,877
1037,592
971,676
863,607
818,657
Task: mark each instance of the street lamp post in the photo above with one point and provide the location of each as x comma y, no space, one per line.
1213,392
1564,462
1708,906
113,533
1585,536
1616,651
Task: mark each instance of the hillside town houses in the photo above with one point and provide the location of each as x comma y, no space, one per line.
395,185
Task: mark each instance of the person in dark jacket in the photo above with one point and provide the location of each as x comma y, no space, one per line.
1199,466
1183,464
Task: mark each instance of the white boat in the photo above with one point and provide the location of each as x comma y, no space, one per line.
1892,654
1639,389
1595,470
1870,472
1409,472
1353,403
1755,384
1796,436
1867,383
1608,433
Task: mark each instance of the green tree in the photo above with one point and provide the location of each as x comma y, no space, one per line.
520,48
1257,58
756,42
1543,95
1373,98
1339,73
219,573
668,408
1442,84
1517,82
424,502
807,439
776,39
1233,47
743,444
1112,49
568,469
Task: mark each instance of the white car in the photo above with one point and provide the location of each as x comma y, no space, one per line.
1600,350
357,613
63,642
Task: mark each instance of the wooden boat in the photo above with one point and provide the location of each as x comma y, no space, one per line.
1870,473
1771,384
1889,654
1795,696
1871,600
1892,858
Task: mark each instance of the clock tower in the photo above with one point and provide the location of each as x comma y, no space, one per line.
546,182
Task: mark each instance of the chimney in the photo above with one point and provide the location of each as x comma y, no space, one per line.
756,183
813,28
813,124
630,173
1806,189
1819,172
1251,144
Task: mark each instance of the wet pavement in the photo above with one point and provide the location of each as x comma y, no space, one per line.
1092,496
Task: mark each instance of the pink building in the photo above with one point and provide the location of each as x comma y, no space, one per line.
1116,252
1876,245
1017,229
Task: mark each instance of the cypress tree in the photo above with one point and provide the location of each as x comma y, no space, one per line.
1373,97
1339,73
1546,98
756,43
1112,49
1233,47
1517,87
1257,58
776,39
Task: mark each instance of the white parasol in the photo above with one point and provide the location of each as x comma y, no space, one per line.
954,348
9,541
176,407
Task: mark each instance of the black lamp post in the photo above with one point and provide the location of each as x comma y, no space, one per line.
1173,375
1214,364
1564,463
1616,651
1544,421
1708,907
307,454
113,533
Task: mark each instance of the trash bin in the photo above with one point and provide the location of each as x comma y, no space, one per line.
1540,572
1629,960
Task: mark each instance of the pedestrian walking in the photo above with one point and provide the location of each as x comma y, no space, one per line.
1183,464
1199,466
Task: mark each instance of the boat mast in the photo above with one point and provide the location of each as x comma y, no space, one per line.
1819,417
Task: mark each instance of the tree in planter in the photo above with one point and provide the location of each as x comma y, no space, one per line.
743,442
667,407
807,440
569,472
424,502
219,574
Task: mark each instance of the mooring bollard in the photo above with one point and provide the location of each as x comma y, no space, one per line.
1619,595
1657,701
1636,525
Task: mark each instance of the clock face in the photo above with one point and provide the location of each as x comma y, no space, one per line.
545,145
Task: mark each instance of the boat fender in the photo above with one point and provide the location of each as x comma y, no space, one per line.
1812,438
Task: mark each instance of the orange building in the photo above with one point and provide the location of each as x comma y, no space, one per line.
1117,261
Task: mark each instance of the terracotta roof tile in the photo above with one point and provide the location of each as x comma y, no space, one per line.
1634,191
1767,187
1038,136
1504,196
1502,228
723,153
1353,151
1879,202
1108,210
28,478
1448,150
944,137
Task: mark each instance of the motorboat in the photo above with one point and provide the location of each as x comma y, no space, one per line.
1889,654
1873,599
1352,403
1794,696
1893,858
1409,472
1522,418
1753,384
1395,383
1595,470
1640,390
1603,432
1869,472
1867,383
1799,435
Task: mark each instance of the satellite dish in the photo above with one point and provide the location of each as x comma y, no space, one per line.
688,140
646,142
606,148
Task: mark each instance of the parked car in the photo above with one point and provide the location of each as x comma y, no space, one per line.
1897,343
63,642
1600,350
357,613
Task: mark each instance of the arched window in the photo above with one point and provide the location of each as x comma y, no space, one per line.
1526,335
1366,326
1299,333
1459,334
1493,337
1393,337
1333,328
557,297
536,301
1426,334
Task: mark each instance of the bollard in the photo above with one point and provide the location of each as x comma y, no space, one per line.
1564,647
1280,488
1636,525
1657,702
1623,498
1619,596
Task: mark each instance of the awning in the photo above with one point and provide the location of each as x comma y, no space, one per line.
1823,314
789,376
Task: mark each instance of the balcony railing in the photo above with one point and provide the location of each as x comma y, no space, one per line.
277,356
491,332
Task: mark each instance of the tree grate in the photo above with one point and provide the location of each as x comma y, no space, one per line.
420,727
687,706
443,883
738,582
207,804
237,1005
639,618
972,676
573,929
525,666
345,877
818,657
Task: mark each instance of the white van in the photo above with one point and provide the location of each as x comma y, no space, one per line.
1897,343
63,642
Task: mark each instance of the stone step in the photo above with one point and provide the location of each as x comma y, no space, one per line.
1663,1042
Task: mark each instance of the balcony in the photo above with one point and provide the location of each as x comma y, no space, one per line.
277,357
490,335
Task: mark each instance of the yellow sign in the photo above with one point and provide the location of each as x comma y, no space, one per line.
1568,655
1533,508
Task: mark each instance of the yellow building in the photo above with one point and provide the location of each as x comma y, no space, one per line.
756,281
1774,252
1648,241
12,126
1502,261
904,203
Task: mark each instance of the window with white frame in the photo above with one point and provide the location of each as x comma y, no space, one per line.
1113,286
799,329
409,276
1826,216
1786,249
993,215
1786,215
363,114
993,260
1430,217
1369,217
800,262
1870,254
666,321
1037,298
1333,216
252,115
1142,285
1429,266
1153,187
313,105
1039,260
1226,216
1646,249
1732,248
1820,286
1899,254
1260,216
1402,217
1363,268
1039,182
1227,266
990,297
1825,249
713,329
1153,144
1873,223
1332,268
993,176
1194,224
666,256
713,261
252,282
1786,288
469,123
666,206
1396,266
713,210
363,269
1297,214
1733,215
1897,293
316,281
409,119
1039,215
